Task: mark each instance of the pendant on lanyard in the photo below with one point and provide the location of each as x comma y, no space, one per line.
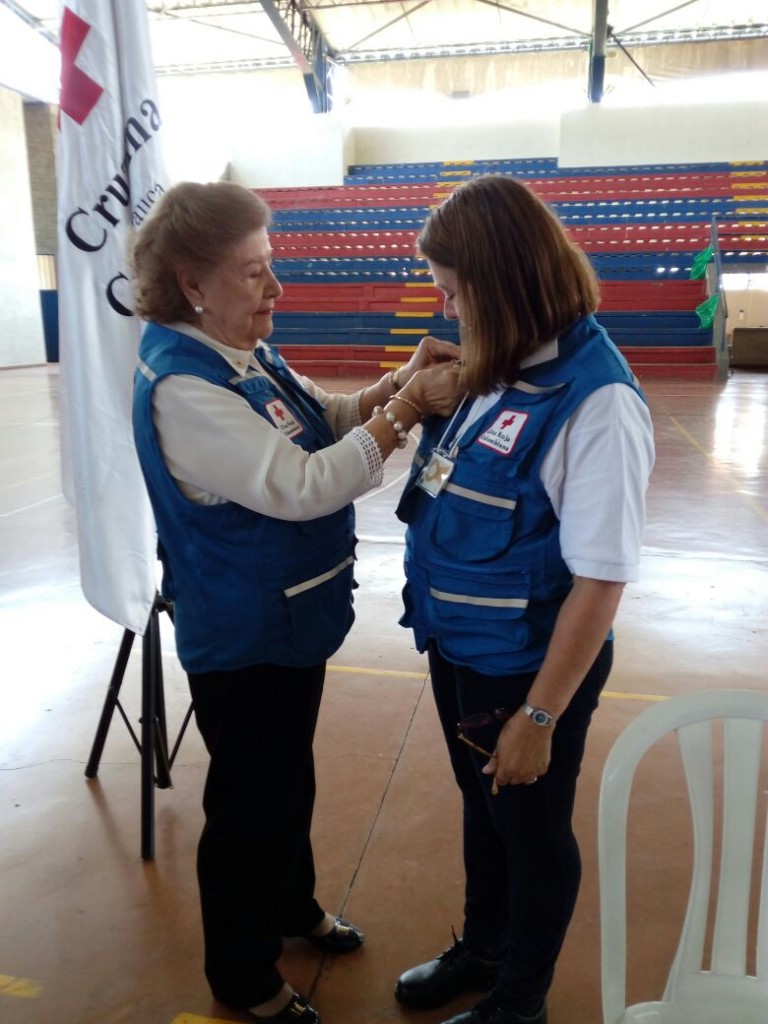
436,473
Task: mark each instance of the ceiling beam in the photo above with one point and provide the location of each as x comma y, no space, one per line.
309,48
597,50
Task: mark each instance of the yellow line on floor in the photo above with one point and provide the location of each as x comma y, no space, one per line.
614,694
19,988
193,1018
753,502
648,697
377,672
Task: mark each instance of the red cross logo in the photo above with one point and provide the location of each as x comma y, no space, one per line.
79,92
507,423
279,411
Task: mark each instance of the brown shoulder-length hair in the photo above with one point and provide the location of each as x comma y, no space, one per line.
520,280
192,226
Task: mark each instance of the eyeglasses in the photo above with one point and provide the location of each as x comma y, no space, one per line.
480,721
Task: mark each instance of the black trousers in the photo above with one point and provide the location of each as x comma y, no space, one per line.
255,866
521,857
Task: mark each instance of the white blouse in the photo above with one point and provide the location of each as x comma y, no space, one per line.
218,450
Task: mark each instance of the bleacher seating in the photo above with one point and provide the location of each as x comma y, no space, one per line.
357,298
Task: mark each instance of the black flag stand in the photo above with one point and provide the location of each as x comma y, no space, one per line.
156,762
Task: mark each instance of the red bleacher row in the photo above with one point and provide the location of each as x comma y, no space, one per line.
593,238
368,361
661,186
386,298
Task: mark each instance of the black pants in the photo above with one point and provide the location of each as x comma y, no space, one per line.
255,867
521,858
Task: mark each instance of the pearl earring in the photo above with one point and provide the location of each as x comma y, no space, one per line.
198,310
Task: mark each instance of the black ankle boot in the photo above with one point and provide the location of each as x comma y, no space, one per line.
493,1010
455,971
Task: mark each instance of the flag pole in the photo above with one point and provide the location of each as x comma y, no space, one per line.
111,172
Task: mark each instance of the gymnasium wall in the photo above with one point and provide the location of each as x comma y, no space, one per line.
21,331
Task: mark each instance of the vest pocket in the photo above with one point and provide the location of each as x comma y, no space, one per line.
471,526
320,611
479,616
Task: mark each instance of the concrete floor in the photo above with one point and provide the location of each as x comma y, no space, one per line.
91,934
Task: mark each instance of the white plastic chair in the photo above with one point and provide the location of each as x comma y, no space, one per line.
725,993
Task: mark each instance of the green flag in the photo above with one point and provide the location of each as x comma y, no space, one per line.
706,311
700,261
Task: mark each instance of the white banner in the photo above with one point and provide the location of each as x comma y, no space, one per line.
111,172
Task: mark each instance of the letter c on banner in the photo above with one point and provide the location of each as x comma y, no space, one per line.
113,300
78,240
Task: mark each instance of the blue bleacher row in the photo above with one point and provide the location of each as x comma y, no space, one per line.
637,328
403,218
609,267
372,174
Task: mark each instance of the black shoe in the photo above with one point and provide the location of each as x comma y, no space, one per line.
342,938
454,972
298,1011
491,1011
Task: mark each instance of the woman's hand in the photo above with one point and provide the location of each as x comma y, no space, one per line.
430,352
437,390
522,752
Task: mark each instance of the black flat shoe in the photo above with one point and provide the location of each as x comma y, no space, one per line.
298,1011
454,972
491,1011
344,937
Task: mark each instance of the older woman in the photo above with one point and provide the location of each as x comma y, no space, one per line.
251,471
525,515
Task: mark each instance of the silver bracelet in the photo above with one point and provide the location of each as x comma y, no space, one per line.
397,426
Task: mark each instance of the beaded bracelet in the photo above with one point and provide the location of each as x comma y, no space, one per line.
402,398
397,426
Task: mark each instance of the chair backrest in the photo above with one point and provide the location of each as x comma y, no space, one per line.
692,717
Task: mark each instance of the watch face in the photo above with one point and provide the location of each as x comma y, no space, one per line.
538,715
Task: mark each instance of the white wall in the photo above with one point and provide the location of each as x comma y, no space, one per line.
312,152
476,140
748,308
21,328
608,136
303,149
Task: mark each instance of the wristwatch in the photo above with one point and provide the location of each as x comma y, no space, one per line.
538,715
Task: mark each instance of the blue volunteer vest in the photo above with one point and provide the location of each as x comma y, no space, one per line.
247,588
485,574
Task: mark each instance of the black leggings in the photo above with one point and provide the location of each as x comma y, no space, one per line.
521,858
255,866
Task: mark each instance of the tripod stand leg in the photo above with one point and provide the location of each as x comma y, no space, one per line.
110,702
162,764
150,645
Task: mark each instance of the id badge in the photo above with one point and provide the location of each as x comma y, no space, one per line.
434,476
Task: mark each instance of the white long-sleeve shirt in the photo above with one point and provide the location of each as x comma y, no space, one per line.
217,449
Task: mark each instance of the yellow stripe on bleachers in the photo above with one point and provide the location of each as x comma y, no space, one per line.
419,298
399,348
412,312
458,163
405,330
748,212
442,174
